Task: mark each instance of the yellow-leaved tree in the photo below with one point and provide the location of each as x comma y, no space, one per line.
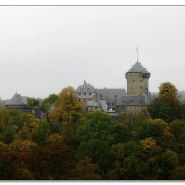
67,107
167,91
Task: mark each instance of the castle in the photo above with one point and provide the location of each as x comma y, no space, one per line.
111,101
116,101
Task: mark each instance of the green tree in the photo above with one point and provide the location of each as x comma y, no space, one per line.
32,102
11,122
177,128
129,162
151,128
46,103
182,108
95,135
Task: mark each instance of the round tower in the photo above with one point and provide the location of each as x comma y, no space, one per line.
137,80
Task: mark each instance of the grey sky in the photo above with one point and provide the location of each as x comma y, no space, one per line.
44,49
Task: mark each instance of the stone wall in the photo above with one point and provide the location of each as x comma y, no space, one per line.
136,84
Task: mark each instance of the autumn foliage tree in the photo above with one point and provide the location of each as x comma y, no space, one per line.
85,170
67,107
167,106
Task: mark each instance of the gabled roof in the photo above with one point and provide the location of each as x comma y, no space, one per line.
98,103
85,88
137,68
17,100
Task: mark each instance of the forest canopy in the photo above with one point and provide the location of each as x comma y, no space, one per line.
72,145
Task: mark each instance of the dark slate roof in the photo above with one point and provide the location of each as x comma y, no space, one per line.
110,94
132,100
137,68
98,103
17,100
85,88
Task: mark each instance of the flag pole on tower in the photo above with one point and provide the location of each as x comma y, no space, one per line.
137,53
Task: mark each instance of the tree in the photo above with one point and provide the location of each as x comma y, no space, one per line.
55,138
46,103
21,145
67,107
167,91
68,131
8,169
179,173
182,108
42,132
168,161
11,123
133,119
28,128
167,106
32,102
151,128
95,134
148,143
129,163
85,170
177,128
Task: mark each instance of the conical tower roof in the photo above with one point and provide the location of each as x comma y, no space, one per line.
138,68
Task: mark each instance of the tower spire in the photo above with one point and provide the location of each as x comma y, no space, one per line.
137,52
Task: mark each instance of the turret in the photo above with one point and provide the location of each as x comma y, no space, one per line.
137,80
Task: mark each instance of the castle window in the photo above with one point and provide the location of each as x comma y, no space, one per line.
141,87
133,80
84,100
84,93
89,93
79,93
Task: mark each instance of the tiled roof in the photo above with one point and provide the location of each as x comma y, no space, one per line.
85,88
132,100
110,94
98,103
138,68
17,100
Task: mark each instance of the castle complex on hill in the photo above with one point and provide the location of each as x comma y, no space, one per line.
116,101
111,101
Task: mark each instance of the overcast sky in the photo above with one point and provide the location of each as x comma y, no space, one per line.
44,49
